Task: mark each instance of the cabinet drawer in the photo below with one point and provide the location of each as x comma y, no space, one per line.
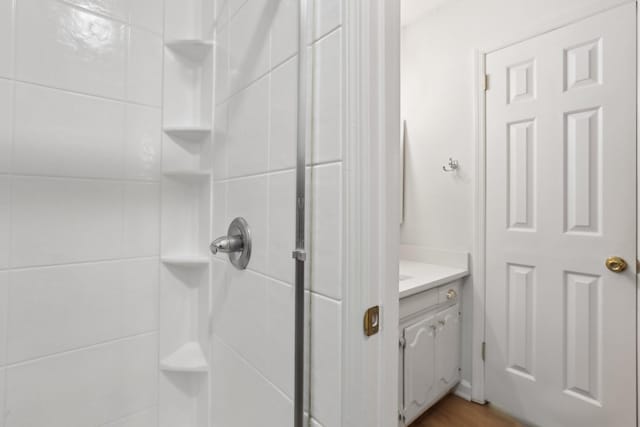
449,293
418,302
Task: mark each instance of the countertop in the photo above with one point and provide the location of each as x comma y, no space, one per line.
416,277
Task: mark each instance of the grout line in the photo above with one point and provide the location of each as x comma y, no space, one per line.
90,95
278,171
328,34
284,283
161,217
5,391
108,17
83,348
74,263
82,178
271,68
252,367
131,414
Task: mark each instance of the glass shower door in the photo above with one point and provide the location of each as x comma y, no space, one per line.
257,351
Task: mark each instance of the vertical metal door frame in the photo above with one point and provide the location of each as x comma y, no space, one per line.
299,254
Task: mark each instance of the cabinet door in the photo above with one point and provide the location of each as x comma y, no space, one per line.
420,381
448,348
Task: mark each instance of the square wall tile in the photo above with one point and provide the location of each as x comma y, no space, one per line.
89,387
220,142
56,309
239,386
142,142
61,46
240,313
62,308
233,6
63,220
5,225
247,198
4,306
146,418
281,332
208,17
144,72
220,225
139,298
326,359
248,132
2,395
113,8
249,42
141,219
284,113
282,219
6,37
326,226
6,123
327,99
284,31
58,133
223,89
328,16
147,14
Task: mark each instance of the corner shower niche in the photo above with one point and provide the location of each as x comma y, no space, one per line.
186,213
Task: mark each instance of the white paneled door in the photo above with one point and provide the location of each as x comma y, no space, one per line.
561,199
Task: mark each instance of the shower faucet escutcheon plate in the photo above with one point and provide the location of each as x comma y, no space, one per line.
237,243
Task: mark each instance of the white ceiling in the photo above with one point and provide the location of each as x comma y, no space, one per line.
412,10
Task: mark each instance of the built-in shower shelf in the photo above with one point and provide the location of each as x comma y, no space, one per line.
187,174
186,260
194,49
188,133
188,358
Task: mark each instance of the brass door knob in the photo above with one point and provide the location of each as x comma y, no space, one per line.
616,264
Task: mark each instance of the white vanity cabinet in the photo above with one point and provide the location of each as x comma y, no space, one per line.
429,359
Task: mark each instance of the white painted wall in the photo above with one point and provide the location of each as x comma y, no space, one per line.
438,55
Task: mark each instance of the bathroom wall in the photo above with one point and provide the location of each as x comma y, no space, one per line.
438,76
254,176
80,90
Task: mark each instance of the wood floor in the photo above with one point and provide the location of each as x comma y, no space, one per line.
453,411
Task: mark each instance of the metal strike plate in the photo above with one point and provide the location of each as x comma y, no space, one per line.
372,321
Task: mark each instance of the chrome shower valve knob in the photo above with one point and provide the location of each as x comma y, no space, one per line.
237,243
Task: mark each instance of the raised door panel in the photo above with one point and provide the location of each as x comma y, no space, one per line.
583,323
420,381
561,198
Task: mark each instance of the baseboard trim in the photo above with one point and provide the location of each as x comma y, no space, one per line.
463,390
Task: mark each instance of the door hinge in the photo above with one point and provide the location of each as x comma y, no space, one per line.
402,417
484,351
403,342
485,82
372,321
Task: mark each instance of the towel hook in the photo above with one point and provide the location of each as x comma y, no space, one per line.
453,166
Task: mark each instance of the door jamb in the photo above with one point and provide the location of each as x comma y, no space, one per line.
371,70
479,247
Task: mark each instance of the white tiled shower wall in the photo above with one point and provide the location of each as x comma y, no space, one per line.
254,177
80,119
